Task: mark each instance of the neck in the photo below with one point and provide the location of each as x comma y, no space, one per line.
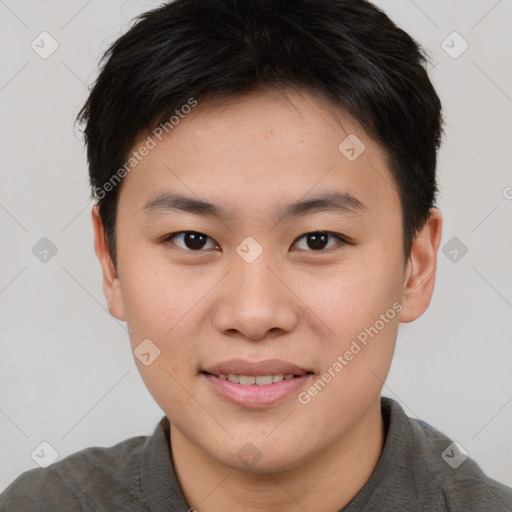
326,482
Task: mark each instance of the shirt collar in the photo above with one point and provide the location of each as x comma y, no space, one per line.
158,477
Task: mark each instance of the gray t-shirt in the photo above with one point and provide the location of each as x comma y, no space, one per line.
416,472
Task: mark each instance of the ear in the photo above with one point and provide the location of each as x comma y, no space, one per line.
111,283
420,271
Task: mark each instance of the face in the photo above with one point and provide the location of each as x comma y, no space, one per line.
295,275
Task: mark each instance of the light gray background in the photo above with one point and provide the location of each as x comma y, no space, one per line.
67,375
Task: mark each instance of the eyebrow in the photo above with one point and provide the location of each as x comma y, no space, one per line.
337,202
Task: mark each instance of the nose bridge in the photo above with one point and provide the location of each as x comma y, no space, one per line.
253,278
253,299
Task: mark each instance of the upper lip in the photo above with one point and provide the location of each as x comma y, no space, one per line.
266,367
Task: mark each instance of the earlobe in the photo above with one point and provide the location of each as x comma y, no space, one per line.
421,269
111,283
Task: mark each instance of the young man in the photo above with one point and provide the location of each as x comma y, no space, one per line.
264,172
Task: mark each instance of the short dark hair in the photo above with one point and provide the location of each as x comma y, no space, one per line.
347,50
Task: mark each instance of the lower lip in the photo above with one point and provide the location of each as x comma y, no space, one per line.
255,396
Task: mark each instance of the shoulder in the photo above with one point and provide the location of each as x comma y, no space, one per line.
452,473
95,478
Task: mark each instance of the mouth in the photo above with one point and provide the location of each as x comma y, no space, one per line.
258,380
255,385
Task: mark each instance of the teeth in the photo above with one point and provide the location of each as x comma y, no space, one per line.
263,380
260,380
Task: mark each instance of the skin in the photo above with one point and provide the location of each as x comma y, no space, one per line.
251,155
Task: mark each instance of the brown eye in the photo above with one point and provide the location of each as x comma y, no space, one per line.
191,240
318,240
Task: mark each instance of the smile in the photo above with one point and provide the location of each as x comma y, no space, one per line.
258,380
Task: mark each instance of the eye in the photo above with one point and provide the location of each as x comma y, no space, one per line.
190,240
318,240
195,241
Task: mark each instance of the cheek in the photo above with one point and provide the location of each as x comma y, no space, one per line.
156,297
361,310
353,296
360,303
159,308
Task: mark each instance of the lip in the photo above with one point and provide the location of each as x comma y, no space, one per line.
254,396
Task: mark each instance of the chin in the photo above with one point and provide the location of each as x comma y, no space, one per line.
258,458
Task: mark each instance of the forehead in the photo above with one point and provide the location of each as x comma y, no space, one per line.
257,150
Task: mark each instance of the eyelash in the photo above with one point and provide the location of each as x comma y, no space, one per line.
341,239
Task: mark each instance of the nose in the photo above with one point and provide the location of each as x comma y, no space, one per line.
255,300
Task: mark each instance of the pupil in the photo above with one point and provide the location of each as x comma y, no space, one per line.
317,241
194,240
